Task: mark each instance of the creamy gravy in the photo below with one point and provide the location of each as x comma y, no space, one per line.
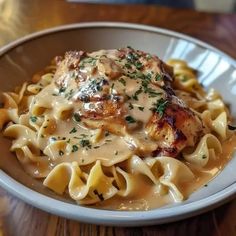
148,198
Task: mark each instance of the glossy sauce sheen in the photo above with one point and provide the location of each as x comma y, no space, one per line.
112,101
148,198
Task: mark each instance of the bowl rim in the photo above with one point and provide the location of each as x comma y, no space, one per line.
112,217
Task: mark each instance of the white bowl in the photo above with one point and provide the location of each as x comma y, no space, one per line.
21,59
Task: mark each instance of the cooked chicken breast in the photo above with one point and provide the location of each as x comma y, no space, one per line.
129,93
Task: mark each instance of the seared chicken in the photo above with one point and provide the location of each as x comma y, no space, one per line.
129,93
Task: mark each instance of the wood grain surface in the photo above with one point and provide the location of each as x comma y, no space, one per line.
20,17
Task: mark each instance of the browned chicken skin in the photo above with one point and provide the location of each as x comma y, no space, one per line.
175,130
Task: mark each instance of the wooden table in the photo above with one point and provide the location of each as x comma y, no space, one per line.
21,17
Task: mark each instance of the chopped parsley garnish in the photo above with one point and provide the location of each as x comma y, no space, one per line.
87,60
128,65
140,75
131,106
128,97
75,148
141,108
76,117
85,143
116,152
100,196
148,56
204,156
160,106
158,77
130,119
152,93
95,147
74,130
61,153
132,57
139,65
62,89
148,76
135,96
33,119
121,80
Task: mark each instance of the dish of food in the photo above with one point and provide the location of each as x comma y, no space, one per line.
96,126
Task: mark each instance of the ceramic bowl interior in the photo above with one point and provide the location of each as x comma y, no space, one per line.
21,59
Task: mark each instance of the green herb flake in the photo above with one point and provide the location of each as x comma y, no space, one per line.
121,80
148,76
76,117
74,130
135,96
148,56
116,152
100,196
108,140
160,106
204,156
75,148
131,106
33,118
132,57
158,77
87,60
62,89
128,97
107,133
128,66
139,65
130,119
85,143
61,153
141,108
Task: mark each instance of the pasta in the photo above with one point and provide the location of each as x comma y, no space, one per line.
118,129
